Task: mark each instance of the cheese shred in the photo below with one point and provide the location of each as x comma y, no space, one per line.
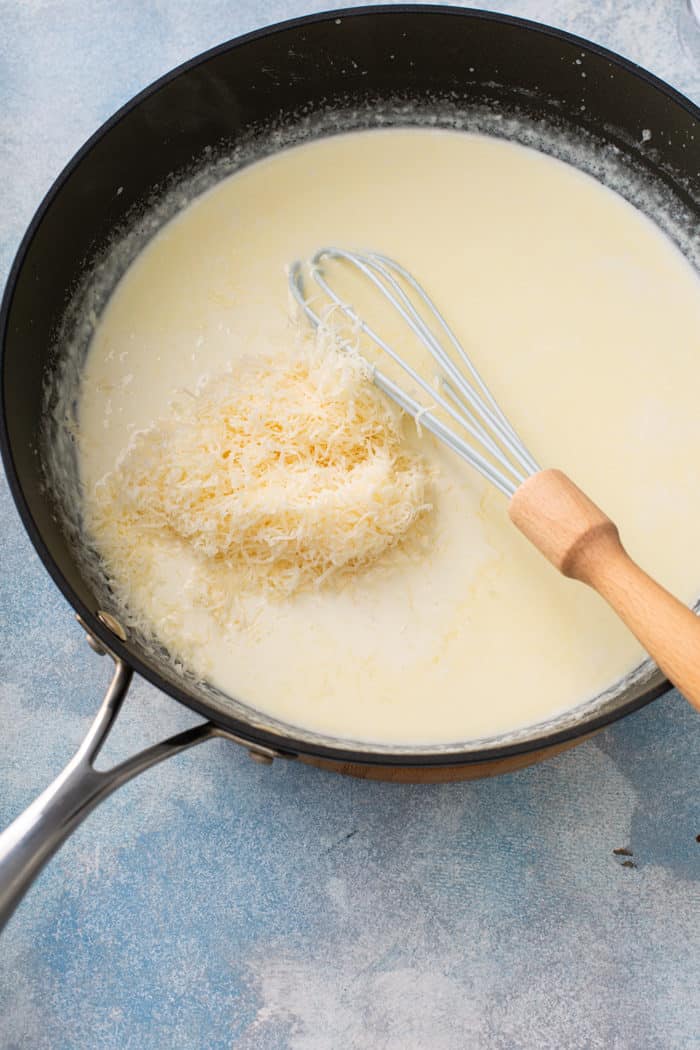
292,470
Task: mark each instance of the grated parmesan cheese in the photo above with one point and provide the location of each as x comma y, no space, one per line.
291,470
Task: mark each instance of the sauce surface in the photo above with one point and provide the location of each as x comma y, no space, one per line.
584,320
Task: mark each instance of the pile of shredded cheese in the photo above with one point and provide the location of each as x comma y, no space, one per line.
291,470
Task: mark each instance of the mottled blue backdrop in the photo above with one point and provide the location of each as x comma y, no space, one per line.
217,903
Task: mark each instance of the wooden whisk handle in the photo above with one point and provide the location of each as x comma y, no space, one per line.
583,543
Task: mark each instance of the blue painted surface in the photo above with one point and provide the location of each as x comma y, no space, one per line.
216,903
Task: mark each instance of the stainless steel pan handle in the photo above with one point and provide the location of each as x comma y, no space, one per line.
32,839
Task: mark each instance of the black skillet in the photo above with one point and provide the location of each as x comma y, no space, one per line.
393,64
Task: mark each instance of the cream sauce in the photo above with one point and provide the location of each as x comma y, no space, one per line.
585,321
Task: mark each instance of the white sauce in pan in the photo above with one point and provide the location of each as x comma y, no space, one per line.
585,321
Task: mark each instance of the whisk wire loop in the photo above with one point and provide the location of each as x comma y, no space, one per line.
472,428
465,398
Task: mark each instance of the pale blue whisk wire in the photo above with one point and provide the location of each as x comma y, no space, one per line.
465,398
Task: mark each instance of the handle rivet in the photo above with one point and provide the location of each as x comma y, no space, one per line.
112,624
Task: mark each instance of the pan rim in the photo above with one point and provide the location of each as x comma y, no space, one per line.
364,753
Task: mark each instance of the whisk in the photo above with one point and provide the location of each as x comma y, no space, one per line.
548,508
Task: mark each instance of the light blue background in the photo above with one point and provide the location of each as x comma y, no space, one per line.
216,903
